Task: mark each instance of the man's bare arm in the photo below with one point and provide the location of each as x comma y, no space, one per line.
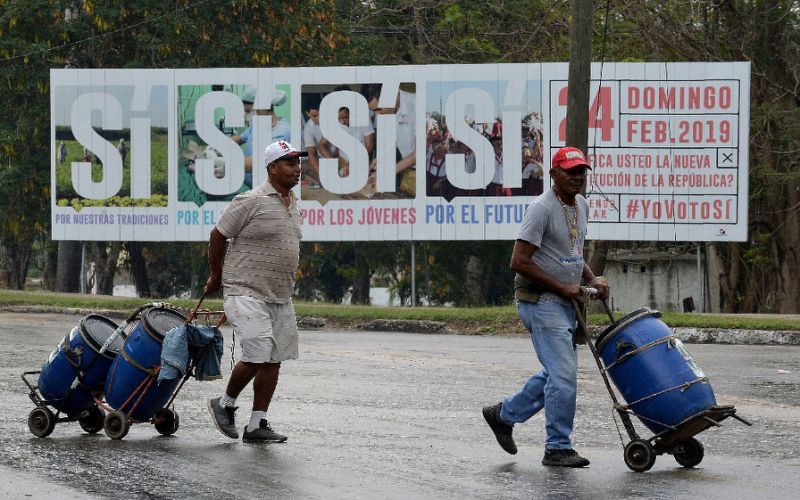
216,257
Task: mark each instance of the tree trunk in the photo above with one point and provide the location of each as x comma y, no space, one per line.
360,293
69,266
789,259
730,266
15,259
50,267
359,289
473,281
598,255
106,257
138,268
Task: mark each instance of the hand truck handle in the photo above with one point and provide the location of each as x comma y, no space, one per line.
192,315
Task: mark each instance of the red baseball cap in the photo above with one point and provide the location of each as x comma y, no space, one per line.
569,157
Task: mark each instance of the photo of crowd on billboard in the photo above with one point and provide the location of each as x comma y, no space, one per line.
478,140
192,146
322,149
439,143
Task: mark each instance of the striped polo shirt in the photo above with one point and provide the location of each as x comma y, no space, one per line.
264,245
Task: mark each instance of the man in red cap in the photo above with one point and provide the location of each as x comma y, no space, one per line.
548,260
253,253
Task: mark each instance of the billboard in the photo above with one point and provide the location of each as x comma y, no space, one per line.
445,152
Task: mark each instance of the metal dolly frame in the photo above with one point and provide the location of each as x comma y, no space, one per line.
678,441
43,419
117,421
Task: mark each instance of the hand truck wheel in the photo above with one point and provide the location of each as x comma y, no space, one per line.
41,421
166,422
116,425
639,455
93,421
688,453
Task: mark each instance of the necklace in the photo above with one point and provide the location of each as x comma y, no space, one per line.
573,225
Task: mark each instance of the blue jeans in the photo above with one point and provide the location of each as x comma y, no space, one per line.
552,326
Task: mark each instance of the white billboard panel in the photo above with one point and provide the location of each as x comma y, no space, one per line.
446,152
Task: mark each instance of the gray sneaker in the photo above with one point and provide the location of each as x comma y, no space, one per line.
224,418
262,434
563,458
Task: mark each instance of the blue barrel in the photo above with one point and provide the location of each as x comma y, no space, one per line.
653,371
76,371
139,359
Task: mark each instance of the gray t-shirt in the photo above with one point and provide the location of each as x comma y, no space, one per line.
558,254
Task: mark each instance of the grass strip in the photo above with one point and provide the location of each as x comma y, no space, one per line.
486,316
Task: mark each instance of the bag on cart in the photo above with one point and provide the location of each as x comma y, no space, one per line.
189,344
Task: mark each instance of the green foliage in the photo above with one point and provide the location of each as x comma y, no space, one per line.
758,250
158,200
465,31
35,36
233,33
470,273
329,271
320,275
176,269
24,140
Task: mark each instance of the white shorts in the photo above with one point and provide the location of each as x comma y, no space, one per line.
267,331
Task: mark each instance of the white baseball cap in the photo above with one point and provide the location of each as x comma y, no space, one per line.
249,96
281,150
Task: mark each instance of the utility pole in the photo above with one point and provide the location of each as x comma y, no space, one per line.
413,274
580,69
580,72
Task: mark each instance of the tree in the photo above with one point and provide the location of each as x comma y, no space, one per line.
106,257
470,273
24,133
445,31
759,275
39,34
466,31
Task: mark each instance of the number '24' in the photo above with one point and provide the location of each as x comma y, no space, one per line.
599,114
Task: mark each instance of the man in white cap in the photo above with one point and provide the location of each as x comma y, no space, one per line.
253,254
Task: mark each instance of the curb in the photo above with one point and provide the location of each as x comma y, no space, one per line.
737,337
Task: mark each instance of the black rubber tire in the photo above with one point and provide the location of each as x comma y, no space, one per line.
41,421
167,422
639,455
116,425
689,453
93,421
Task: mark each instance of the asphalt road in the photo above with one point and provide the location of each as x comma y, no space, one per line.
392,415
